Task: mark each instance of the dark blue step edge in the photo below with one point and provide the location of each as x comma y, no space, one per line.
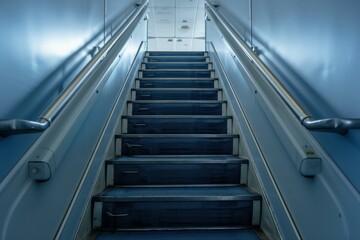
177,144
177,73
176,107
159,59
176,125
176,171
175,194
176,83
176,65
216,234
176,94
176,207
176,53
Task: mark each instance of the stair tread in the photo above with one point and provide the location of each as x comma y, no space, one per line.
180,63
177,116
177,70
177,89
177,135
172,59
225,234
189,56
175,159
178,193
180,78
176,101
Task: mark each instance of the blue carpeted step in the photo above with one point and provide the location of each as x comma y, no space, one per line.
176,124
176,83
176,170
176,144
223,234
176,107
176,94
176,73
176,59
175,53
175,207
177,65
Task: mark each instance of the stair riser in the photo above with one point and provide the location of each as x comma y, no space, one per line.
174,173
177,146
176,109
176,54
177,125
176,74
176,66
176,83
178,214
194,59
176,95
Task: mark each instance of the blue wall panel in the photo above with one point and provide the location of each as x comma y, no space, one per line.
312,47
44,44
297,40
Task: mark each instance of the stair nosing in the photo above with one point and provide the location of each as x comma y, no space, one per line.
177,70
179,79
169,195
176,89
180,63
184,228
177,101
175,160
131,135
177,116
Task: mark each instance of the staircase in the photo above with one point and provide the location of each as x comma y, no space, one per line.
178,174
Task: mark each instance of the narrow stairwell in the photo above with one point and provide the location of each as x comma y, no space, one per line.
178,174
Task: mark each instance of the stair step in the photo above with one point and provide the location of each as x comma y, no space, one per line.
209,234
176,107
176,73
176,83
176,59
176,124
177,144
175,53
176,171
176,65
175,207
176,94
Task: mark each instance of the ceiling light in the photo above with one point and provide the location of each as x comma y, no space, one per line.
179,40
170,40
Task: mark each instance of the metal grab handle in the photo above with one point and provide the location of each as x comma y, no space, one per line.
109,214
130,172
139,125
336,125
144,109
148,84
132,145
145,95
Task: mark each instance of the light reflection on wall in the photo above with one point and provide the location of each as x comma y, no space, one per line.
59,46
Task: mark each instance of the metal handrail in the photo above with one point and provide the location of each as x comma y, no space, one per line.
19,126
338,125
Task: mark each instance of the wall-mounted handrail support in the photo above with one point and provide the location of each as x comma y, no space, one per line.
337,125
21,126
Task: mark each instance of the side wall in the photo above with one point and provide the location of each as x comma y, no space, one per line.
312,47
52,209
299,41
44,45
